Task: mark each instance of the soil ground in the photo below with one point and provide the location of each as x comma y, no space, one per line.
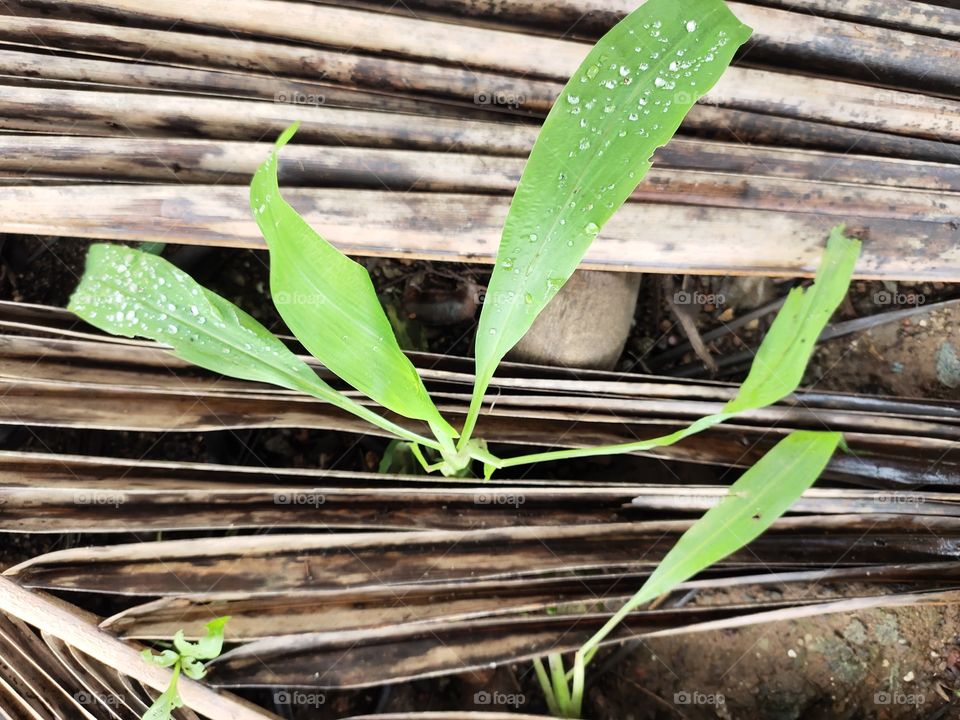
902,663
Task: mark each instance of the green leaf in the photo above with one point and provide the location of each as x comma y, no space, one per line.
778,367
193,668
168,701
210,645
328,301
779,364
761,495
627,99
163,659
136,294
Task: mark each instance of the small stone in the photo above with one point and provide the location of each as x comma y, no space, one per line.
791,653
908,677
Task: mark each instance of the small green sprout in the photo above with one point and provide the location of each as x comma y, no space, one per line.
185,657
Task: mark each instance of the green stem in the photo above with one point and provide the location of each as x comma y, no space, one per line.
558,677
546,687
480,385
365,413
639,446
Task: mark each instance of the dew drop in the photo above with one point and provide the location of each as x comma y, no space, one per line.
691,25
591,228
573,99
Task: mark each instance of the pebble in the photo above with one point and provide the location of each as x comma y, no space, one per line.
908,677
791,653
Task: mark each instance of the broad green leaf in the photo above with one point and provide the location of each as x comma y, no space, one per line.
136,294
627,99
781,360
778,367
328,301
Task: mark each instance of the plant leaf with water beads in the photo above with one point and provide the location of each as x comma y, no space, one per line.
328,301
136,294
627,99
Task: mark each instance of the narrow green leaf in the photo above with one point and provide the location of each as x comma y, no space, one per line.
779,364
761,495
135,294
329,302
778,367
627,99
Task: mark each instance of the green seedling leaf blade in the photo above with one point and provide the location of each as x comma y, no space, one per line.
162,659
132,293
761,495
778,367
183,647
627,99
781,360
328,301
210,645
193,668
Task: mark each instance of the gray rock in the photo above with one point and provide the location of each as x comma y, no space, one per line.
746,293
586,325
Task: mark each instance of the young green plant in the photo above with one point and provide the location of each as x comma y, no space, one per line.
185,657
627,99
